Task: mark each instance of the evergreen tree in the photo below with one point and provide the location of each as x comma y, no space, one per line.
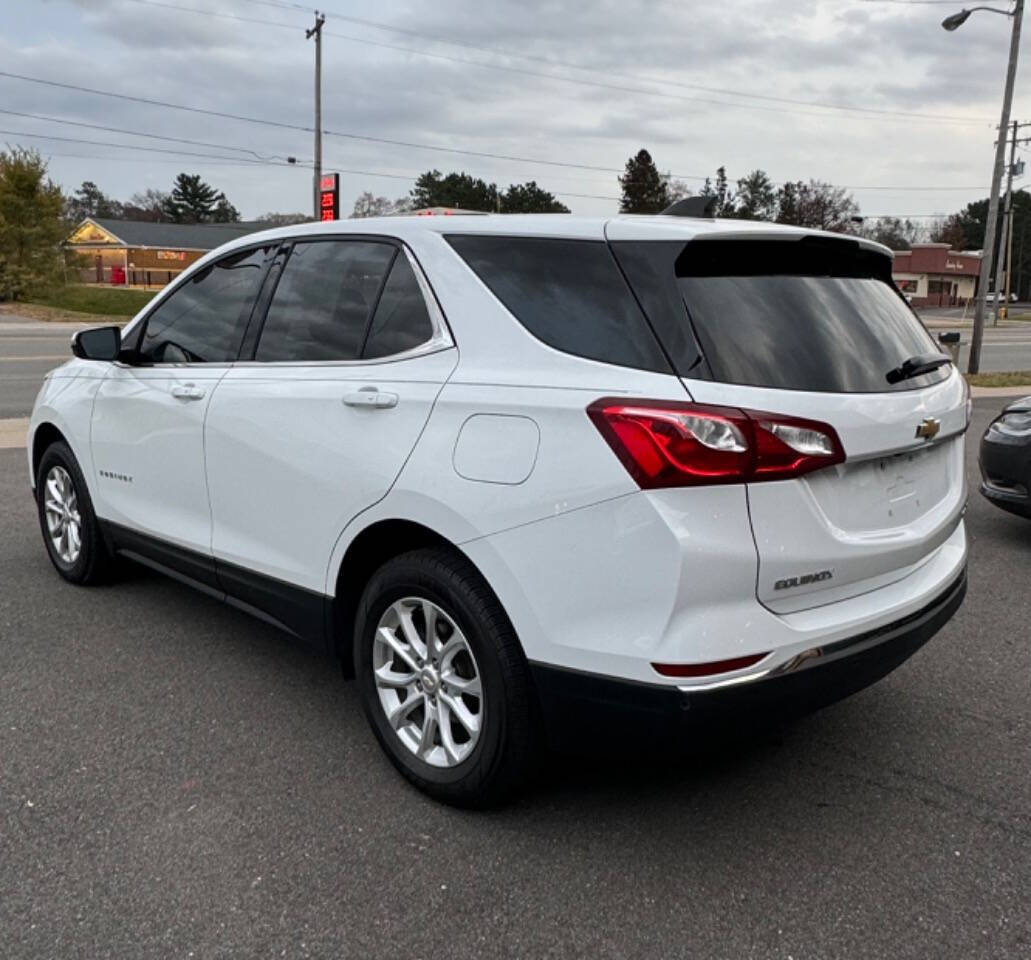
645,190
950,230
756,197
224,211
433,189
31,227
530,198
90,201
720,191
192,200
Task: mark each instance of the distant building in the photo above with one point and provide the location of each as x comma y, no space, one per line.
932,275
138,253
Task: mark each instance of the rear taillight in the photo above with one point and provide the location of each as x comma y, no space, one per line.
671,444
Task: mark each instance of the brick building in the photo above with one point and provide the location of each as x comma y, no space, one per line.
932,275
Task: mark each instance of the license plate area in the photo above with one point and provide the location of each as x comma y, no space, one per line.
884,492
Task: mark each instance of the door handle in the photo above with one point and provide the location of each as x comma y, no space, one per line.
371,397
187,391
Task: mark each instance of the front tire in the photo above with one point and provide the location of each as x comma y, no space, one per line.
443,680
70,530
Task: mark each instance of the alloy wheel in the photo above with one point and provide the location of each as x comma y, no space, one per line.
61,509
428,682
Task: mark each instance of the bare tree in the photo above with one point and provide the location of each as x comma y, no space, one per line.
368,205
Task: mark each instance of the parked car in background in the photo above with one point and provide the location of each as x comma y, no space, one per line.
497,467
1005,459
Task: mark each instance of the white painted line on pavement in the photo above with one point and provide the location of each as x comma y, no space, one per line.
51,356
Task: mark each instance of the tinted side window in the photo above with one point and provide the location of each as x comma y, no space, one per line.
401,321
568,293
321,307
649,268
203,320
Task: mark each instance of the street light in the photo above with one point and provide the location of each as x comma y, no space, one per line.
956,20
951,23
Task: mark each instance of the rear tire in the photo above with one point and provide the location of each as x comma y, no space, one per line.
462,727
70,530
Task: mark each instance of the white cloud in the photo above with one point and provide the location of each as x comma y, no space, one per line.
883,56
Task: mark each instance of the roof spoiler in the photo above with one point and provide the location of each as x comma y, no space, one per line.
699,207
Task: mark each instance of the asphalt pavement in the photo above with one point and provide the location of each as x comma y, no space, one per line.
179,780
28,349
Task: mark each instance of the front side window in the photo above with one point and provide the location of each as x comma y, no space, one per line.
203,320
320,310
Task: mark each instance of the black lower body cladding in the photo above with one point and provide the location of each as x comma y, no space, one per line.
572,700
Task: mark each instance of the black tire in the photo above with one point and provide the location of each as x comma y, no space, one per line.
92,564
503,756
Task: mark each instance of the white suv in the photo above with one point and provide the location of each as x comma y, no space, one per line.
511,469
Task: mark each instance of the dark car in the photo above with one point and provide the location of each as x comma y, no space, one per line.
1006,459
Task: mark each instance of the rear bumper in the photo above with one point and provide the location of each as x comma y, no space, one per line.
806,682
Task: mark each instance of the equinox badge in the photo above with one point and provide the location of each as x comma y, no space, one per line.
804,580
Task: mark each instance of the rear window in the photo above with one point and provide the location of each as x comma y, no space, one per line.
568,293
816,315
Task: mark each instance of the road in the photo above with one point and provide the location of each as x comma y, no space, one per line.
178,780
1006,347
29,349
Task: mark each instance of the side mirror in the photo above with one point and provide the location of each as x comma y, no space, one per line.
98,343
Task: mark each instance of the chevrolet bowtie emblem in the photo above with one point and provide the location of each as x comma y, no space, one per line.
928,429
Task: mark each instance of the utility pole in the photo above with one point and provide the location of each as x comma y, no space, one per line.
1005,225
1009,259
951,23
316,32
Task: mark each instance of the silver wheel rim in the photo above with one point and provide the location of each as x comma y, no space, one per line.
428,682
61,509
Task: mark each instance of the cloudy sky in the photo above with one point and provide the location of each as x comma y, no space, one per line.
870,95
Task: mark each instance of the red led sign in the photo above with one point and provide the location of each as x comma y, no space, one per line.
329,197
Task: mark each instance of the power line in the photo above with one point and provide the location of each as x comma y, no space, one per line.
148,101
391,142
917,3
136,133
554,62
131,146
860,112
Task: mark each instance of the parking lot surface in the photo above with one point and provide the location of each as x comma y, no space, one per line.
178,780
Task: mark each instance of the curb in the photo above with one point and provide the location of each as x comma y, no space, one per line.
13,433
1018,391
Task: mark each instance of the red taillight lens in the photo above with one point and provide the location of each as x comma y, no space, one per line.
710,668
671,444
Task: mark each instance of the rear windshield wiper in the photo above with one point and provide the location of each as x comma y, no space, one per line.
915,366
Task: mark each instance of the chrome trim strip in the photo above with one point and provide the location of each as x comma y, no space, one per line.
829,652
